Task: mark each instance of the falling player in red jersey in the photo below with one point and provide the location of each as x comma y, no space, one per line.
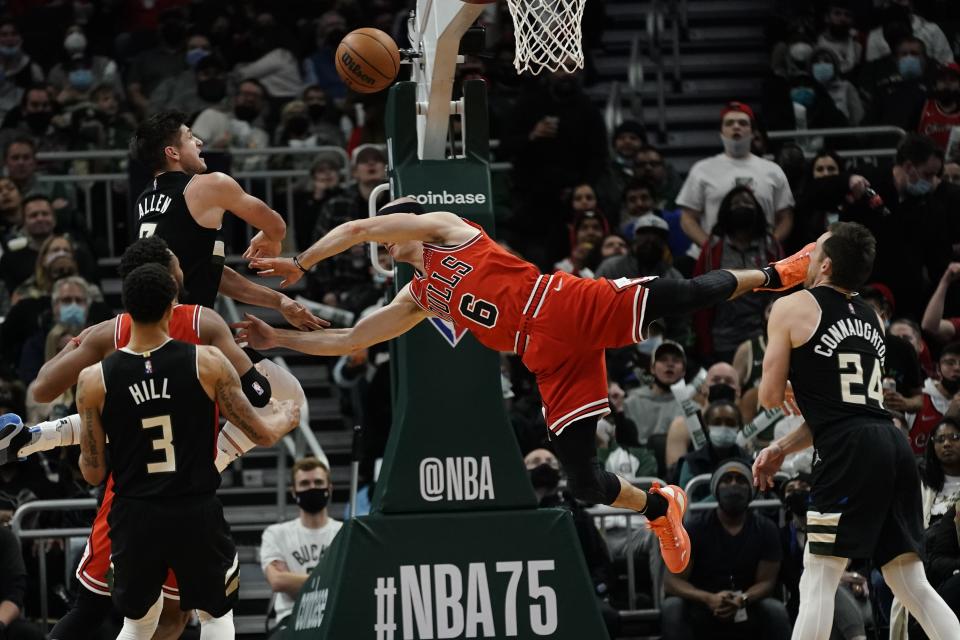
559,325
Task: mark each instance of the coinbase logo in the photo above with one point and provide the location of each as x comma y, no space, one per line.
445,197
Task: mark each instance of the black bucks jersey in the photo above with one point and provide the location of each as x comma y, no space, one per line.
836,375
162,211
161,423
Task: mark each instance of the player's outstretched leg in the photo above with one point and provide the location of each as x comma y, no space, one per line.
906,578
664,507
13,435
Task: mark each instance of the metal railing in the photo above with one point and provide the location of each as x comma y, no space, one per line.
871,154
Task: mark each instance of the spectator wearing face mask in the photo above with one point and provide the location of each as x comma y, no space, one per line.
202,85
79,71
940,398
290,550
792,56
70,302
740,239
151,66
825,69
236,124
17,70
710,180
840,37
545,476
812,218
799,101
894,88
728,590
719,375
722,422
928,32
941,113
324,117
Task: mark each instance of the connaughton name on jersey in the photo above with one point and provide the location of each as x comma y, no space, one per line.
845,328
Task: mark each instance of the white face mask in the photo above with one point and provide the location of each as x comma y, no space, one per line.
722,436
737,148
801,51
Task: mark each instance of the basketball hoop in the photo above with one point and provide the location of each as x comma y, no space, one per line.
547,35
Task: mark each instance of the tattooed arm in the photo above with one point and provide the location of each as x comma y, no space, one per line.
93,440
264,427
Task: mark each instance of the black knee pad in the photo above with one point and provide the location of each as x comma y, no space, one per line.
590,483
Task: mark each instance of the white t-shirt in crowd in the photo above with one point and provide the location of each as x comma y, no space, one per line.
711,179
948,497
299,547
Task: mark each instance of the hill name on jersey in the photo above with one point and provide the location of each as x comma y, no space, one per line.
146,390
845,328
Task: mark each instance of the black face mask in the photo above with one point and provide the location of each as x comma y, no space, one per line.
733,498
839,31
796,502
38,121
649,252
721,391
298,126
246,112
741,219
212,89
544,477
313,500
316,111
950,386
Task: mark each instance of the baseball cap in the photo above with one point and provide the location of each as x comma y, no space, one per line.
670,346
367,152
630,126
731,466
737,106
649,221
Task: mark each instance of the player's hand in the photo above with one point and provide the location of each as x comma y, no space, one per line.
298,315
255,332
766,466
952,274
288,409
282,267
858,185
262,246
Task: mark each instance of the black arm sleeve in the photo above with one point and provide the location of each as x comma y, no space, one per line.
680,297
256,387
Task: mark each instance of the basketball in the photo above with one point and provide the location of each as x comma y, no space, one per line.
368,60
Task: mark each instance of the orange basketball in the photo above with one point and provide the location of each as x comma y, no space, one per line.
368,60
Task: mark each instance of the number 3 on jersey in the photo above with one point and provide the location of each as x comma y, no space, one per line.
852,375
164,443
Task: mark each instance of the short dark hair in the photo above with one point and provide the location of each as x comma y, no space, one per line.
917,149
931,471
851,248
722,226
637,184
20,139
952,349
826,153
33,197
154,134
152,250
148,291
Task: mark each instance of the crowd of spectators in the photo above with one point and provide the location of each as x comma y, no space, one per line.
79,76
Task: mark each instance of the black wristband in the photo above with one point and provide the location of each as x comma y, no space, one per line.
296,261
256,387
773,278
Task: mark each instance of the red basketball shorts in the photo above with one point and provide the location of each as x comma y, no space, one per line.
568,323
93,572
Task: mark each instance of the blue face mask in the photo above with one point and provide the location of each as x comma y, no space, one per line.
81,79
822,72
72,314
9,52
910,67
196,55
802,96
919,188
722,436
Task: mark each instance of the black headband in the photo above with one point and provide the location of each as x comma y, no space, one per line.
411,206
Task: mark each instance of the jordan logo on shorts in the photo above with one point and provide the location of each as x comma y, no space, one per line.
816,458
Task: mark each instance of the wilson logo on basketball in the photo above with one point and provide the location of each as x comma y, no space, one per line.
354,67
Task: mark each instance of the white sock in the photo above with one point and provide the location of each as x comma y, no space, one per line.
818,589
231,444
143,628
52,434
216,628
905,577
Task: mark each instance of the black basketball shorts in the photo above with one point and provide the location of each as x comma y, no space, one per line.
865,500
188,535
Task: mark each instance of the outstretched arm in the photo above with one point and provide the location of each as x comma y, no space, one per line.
61,371
933,321
438,227
93,441
233,285
222,384
396,318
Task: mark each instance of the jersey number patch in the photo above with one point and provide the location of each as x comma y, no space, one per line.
480,311
147,229
164,443
852,374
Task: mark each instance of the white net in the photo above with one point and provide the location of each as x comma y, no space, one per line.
547,35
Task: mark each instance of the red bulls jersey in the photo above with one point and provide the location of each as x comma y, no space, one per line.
477,285
184,325
936,124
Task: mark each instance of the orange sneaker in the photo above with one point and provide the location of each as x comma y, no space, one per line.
791,271
674,541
